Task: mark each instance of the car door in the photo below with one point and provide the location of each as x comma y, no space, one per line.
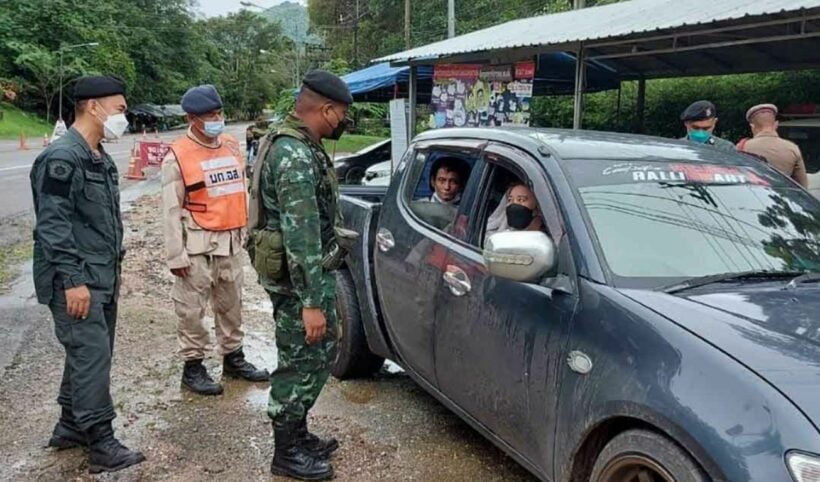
409,252
499,343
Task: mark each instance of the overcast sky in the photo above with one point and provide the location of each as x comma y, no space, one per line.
212,8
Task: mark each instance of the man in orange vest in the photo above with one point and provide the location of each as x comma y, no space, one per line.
205,217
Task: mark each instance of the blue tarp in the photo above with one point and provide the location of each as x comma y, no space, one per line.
555,76
381,76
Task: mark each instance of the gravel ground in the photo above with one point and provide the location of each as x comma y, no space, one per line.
388,427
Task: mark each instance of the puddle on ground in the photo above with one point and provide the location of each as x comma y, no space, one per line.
359,392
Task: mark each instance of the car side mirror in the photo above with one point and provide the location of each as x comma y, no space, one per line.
524,256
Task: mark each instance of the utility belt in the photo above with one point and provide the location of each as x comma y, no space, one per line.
267,252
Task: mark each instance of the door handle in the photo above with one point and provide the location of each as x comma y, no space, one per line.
457,280
384,240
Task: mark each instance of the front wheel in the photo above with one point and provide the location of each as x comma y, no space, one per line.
644,456
354,175
353,357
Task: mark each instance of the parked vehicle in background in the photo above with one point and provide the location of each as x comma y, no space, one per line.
805,132
664,325
378,174
351,169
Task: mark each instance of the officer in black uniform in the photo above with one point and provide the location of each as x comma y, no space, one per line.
77,257
700,119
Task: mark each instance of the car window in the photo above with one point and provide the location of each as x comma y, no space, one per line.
508,194
660,222
436,185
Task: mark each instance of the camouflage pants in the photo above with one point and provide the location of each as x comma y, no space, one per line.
303,369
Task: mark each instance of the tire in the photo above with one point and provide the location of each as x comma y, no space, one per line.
353,357
354,175
635,451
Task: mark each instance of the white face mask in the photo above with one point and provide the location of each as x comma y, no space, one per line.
114,126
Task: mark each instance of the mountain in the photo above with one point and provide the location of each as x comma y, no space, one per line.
293,17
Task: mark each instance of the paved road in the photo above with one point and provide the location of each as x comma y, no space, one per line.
15,191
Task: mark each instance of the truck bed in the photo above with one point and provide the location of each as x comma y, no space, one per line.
361,206
373,194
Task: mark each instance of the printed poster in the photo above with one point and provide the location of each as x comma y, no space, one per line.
475,95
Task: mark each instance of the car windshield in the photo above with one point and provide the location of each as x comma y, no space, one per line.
664,222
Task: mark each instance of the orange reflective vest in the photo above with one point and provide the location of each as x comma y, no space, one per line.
214,180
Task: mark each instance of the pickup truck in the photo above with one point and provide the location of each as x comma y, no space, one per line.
662,325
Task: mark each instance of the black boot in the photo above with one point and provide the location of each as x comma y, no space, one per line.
234,365
292,460
67,434
314,444
107,453
195,377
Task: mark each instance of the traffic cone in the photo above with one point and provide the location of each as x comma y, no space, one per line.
135,167
23,145
45,140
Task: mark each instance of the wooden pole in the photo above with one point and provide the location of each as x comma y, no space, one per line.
407,24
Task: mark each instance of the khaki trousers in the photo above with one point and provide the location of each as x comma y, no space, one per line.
214,279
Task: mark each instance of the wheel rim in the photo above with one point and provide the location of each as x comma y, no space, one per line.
635,468
354,175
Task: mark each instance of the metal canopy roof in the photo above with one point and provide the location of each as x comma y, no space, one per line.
651,38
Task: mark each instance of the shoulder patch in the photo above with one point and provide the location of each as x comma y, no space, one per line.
59,170
57,179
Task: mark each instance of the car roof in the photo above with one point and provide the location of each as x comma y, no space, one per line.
584,144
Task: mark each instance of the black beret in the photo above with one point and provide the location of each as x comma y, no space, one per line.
328,85
201,100
97,86
700,110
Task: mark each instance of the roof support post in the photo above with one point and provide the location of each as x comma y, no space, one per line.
412,87
580,80
640,106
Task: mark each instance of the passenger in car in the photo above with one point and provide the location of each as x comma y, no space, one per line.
447,179
517,211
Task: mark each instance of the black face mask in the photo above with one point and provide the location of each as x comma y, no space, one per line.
519,217
340,128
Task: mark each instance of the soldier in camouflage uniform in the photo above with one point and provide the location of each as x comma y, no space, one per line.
294,248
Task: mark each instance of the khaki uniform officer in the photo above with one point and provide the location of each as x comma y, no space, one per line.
205,214
782,154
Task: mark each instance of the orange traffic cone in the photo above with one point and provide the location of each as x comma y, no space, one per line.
135,166
23,145
45,140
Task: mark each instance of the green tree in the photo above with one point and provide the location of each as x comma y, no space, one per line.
248,61
44,67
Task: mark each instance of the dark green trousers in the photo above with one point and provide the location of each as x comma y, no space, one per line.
85,389
302,370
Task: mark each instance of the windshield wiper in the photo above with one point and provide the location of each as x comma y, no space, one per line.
720,277
803,278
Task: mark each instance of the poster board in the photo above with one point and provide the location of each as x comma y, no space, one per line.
472,95
399,132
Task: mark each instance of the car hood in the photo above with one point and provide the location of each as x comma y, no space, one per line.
775,332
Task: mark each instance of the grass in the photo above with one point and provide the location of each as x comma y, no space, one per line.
352,143
15,120
10,258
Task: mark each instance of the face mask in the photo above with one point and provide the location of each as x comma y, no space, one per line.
114,126
339,129
213,128
700,136
519,216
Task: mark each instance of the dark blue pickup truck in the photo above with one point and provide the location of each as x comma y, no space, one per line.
661,324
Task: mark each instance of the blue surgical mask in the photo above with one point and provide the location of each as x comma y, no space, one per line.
213,128
699,135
